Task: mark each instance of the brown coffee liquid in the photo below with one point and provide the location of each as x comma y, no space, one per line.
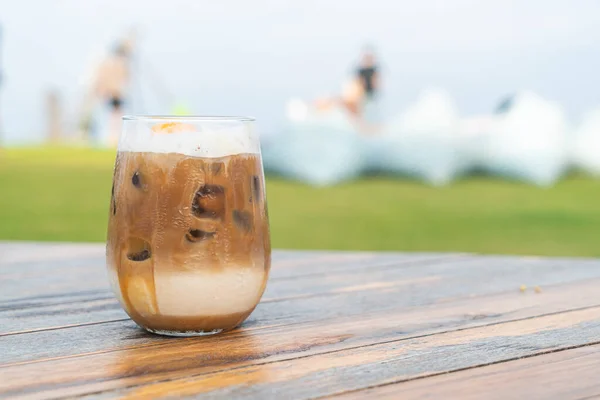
188,239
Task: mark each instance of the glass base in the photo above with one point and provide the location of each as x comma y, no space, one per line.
184,333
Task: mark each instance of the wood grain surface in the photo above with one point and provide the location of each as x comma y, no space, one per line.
349,325
563,374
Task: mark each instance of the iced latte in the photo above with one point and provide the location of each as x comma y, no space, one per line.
188,245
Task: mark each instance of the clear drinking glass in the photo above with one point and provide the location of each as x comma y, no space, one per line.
188,249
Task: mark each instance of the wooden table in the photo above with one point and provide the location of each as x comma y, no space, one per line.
348,325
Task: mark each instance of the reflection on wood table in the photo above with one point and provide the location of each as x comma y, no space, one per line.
347,325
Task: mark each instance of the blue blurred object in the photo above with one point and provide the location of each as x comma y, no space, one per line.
371,110
421,142
322,150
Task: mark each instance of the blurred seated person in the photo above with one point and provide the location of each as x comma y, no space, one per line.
349,99
359,95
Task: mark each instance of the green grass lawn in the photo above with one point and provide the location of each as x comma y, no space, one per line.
62,194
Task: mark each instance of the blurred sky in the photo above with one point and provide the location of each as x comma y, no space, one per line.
250,57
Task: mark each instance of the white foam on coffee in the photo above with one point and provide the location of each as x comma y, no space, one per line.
201,293
218,141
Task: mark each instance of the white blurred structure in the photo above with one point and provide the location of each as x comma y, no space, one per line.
526,140
585,149
296,110
421,141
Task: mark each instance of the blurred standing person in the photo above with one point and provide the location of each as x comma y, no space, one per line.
109,85
368,75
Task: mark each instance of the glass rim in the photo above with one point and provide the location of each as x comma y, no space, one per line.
199,118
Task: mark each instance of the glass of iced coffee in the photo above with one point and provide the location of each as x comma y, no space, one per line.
188,249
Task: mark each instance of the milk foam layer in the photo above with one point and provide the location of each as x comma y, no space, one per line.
194,141
201,293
